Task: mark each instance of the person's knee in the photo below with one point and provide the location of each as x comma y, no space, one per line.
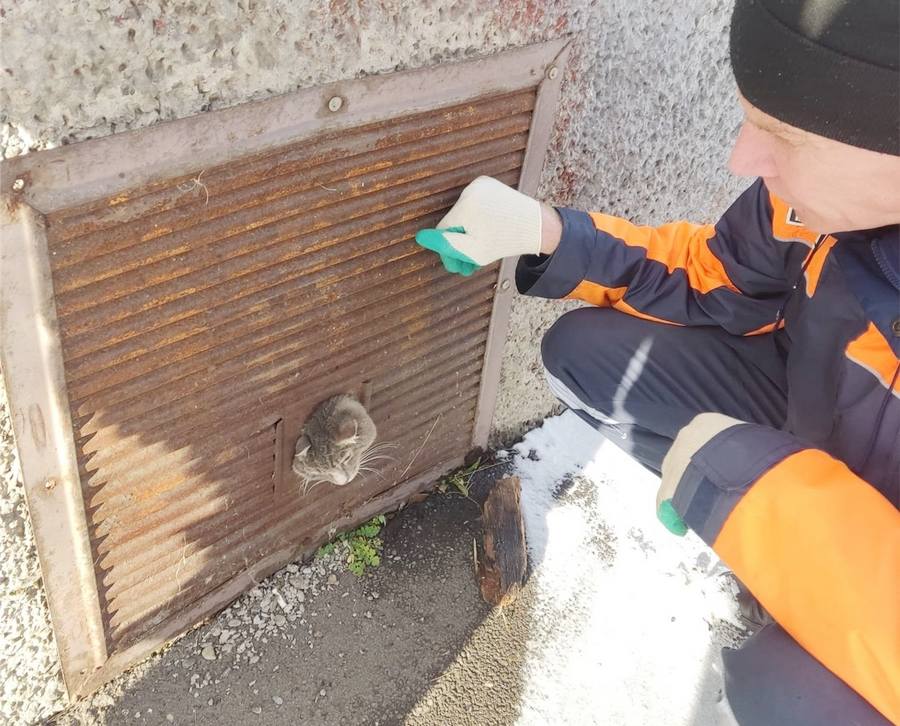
564,341
577,359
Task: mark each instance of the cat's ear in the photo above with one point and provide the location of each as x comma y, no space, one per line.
302,447
346,431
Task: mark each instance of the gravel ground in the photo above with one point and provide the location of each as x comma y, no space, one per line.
315,644
31,686
229,666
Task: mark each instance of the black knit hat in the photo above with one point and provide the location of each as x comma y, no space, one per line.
831,67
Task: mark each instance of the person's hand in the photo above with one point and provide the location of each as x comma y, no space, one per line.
489,221
688,442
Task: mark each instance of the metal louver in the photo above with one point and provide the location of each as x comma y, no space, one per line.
175,301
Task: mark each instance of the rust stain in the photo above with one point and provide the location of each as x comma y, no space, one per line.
18,185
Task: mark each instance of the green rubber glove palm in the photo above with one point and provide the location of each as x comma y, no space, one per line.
688,442
488,222
440,241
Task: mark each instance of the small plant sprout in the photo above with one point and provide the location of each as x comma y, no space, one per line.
360,548
459,479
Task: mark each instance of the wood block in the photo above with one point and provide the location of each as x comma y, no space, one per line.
501,570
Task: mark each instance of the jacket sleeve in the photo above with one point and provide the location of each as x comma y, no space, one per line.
817,545
732,274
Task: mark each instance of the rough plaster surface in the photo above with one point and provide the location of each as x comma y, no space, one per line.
648,114
646,117
78,70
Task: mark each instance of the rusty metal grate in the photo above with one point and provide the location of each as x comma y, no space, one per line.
199,310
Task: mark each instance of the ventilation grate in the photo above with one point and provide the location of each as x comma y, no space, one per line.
202,310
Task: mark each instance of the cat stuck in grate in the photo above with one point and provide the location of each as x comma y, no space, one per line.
336,444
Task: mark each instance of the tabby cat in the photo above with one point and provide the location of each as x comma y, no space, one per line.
335,443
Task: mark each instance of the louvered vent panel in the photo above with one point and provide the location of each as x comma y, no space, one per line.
200,316
176,301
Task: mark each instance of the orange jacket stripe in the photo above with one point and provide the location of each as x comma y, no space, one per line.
626,308
785,227
767,328
595,294
680,245
872,352
788,229
606,297
814,269
836,586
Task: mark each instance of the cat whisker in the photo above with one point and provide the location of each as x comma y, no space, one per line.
368,459
375,452
309,488
369,465
371,450
373,471
306,483
381,445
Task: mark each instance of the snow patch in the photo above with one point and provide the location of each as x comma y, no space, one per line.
628,619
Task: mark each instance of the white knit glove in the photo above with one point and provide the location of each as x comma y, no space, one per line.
687,443
489,221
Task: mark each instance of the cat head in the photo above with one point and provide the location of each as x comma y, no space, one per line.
333,442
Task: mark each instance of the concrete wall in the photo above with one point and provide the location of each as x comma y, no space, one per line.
647,115
647,119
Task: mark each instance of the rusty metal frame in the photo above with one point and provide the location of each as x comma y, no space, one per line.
34,185
33,370
542,119
109,165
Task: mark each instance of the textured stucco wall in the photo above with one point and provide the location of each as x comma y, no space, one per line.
647,115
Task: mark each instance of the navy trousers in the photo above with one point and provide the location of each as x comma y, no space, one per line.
639,382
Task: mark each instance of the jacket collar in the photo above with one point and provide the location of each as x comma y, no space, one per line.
870,263
886,248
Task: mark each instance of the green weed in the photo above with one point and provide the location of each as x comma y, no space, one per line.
361,547
459,479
